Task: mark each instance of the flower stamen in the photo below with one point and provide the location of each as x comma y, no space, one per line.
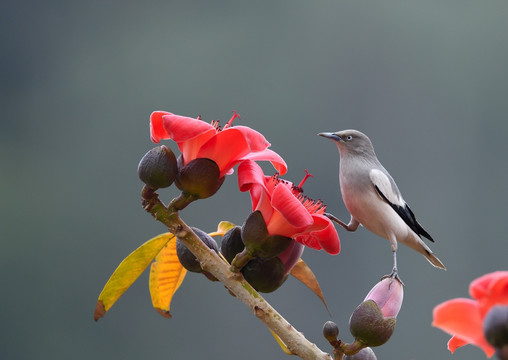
312,206
307,175
235,115
215,124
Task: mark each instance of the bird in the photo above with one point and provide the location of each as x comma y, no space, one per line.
373,199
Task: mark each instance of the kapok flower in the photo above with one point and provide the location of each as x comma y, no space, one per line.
226,146
463,318
286,211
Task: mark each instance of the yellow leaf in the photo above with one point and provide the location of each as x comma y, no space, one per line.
281,343
224,226
303,273
166,276
128,271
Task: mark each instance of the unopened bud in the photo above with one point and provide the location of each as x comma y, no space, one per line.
158,168
363,354
330,331
388,295
187,258
373,321
264,275
232,243
495,326
368,325
199,178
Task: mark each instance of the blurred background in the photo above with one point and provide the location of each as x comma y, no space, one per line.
427,81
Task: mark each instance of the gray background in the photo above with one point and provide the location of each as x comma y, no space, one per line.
426,80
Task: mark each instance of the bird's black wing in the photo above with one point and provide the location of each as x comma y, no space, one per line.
407,215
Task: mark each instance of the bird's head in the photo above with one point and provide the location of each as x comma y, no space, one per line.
350,142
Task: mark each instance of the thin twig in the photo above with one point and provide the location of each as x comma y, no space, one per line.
236,284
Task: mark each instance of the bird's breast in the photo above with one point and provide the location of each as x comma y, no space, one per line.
366,206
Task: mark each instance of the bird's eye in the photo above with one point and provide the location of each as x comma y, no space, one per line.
349,137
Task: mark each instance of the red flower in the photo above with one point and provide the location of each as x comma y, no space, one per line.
227,146
463,318
286,211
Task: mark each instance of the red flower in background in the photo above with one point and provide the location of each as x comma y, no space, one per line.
286,211
226,147
463,318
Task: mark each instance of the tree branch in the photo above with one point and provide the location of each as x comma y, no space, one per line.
212,263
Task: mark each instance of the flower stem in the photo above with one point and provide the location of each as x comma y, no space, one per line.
234,282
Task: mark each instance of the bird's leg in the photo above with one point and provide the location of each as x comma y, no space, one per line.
352,226
395,272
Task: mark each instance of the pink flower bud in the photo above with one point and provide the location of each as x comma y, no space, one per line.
388,295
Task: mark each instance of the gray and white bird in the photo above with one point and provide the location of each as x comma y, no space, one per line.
373,199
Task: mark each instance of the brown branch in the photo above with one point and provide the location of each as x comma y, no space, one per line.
212,263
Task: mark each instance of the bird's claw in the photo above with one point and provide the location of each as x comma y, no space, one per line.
394,276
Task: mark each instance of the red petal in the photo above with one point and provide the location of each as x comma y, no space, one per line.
250,173
157,131
291,210
268,155
455,342
225,148
486,284
461,318
251,178
183,128
189,133
321,235
490,289
255,140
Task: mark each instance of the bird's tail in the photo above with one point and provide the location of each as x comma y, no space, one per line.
433,259
423,249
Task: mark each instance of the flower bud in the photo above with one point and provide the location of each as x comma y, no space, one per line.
388,295
368,325
373,321
495,326
264,275
158,168
199,178
232,243
187,258
258,242
363,354
330,331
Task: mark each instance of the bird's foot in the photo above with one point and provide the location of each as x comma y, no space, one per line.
394,276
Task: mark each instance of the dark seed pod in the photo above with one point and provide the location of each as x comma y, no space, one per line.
330,331
158,167
232,243
495,326
258,242
265,275
187,258
368,325
199,178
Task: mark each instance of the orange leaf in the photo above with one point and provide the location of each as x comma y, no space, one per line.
166,276
303,273
128,271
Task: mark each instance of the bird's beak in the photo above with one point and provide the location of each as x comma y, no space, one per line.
330,135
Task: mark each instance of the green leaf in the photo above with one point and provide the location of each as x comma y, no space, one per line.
128,271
